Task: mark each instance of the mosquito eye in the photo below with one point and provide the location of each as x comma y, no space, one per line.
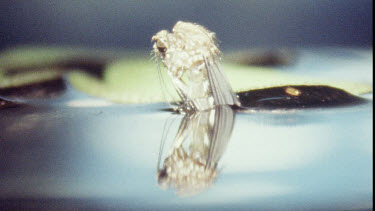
162,49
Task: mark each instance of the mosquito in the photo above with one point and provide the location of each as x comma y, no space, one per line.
191,55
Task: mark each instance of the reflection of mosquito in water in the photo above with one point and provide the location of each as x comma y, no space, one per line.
191,57
190,166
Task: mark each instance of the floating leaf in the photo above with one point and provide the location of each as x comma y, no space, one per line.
134,81
297,97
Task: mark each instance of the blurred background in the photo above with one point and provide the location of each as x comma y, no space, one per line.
238,24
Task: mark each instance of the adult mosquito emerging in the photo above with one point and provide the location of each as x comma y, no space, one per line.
191,57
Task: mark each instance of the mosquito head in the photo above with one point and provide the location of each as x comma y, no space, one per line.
160,43
185,47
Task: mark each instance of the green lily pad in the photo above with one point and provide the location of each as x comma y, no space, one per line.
129,81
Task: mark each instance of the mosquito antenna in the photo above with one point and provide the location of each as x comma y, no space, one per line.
156,60
163,87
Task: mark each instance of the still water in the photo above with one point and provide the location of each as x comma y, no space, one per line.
302,159
81,152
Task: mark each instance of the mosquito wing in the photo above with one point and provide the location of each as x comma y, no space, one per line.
220,87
